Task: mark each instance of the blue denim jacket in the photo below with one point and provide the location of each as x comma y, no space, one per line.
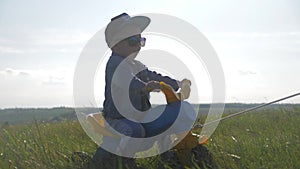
139,97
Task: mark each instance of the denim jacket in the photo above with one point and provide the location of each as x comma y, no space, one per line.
138,96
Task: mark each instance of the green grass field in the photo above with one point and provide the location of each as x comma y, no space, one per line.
263,139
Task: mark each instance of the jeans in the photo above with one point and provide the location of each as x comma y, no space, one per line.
169,113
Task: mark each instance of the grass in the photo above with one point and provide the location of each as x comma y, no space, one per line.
265,139
42,145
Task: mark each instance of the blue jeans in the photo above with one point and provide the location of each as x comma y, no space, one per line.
169,113
164,121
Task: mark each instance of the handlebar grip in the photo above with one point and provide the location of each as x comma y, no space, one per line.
170,94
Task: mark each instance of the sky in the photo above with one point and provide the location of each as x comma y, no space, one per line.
257,42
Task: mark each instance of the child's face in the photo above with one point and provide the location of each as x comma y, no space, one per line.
129,46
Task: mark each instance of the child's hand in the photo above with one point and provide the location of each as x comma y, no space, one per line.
184,82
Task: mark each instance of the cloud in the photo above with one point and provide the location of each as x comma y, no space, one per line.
54,81
46,77
246,72
24,87
9,50
14,72
24,74
254,35
46,36
15,41
61,37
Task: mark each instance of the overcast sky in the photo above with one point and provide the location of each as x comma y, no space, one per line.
257,42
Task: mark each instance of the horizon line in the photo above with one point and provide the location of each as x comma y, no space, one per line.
68,106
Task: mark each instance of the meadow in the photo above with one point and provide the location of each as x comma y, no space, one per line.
268,138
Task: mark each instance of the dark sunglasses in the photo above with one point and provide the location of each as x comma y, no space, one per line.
135,40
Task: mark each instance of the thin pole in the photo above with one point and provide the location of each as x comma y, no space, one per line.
245,111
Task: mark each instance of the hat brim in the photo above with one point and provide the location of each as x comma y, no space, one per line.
131,26
141,21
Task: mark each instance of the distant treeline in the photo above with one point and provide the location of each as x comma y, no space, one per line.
12,116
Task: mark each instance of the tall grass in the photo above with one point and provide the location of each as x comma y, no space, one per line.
265,139
42,145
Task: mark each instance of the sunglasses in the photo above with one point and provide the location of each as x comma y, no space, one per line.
136,40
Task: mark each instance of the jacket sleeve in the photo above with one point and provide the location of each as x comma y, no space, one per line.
147,75
152,75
